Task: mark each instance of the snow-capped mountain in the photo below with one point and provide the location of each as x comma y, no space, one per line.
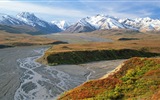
61,24
87,24
104,22
96,23
9,20
80,26
99,22
29,19
142,24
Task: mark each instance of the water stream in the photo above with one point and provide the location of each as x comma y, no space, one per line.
39,82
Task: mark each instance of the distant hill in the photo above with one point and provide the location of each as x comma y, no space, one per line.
8,39
19,29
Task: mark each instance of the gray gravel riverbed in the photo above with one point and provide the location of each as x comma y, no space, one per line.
21,78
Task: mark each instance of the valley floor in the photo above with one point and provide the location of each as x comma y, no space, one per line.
18,67
13,77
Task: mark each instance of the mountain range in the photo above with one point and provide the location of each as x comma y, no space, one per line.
36,25
100,22
27,19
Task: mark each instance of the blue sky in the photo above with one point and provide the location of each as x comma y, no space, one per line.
73,10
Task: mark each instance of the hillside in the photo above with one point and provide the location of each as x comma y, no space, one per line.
20,29
136,78
81,53
8,40
78,57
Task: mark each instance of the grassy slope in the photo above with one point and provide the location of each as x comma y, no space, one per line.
81,53
138,78
77,57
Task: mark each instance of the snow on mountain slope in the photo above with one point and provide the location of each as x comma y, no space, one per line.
81,26
104,22
61,24
9,20
96,23
29,19
143,24
99,22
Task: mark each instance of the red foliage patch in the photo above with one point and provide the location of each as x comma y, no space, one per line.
91,88
153,72
156,96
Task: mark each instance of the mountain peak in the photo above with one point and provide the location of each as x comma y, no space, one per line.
4,16
106,16
100,15
27,15
62,24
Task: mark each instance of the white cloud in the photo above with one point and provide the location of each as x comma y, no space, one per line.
18,6
121,9
110,8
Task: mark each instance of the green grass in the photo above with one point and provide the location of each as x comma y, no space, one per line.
77,57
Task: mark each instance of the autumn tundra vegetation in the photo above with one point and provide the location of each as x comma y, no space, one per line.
137,78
